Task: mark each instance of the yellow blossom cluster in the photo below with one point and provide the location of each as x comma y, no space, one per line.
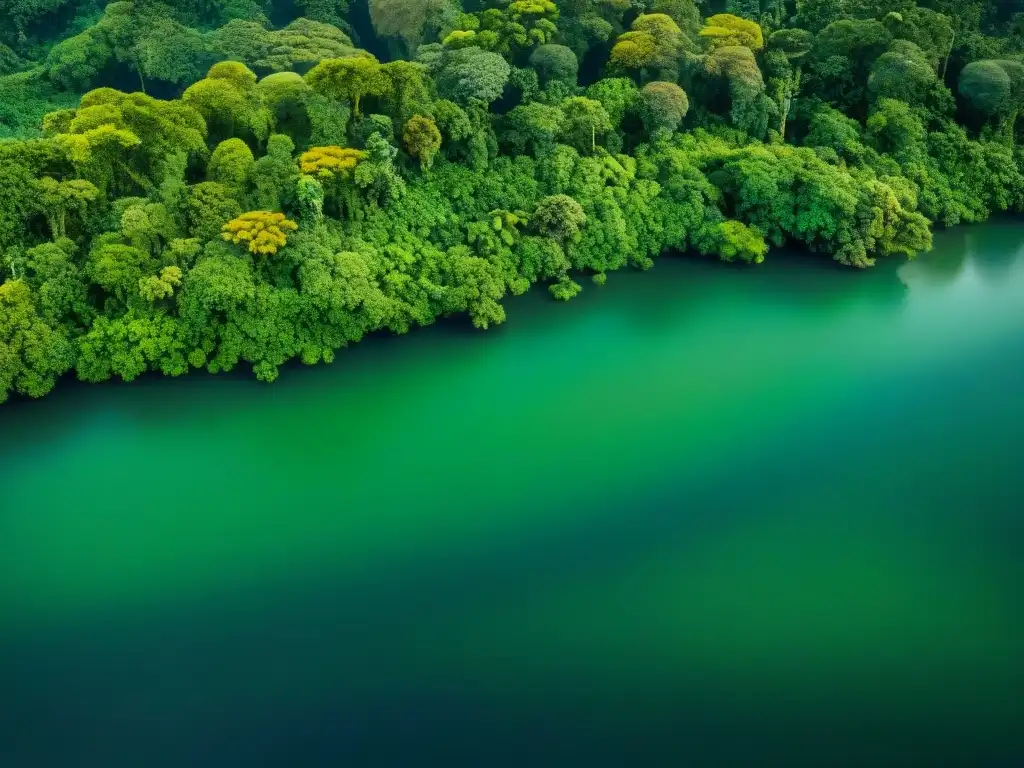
262,232
328,162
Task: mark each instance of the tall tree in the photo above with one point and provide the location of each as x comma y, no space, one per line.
350,79
408,20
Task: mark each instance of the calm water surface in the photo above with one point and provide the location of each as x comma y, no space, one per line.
701,516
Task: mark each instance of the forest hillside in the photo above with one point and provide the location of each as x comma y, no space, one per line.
209,183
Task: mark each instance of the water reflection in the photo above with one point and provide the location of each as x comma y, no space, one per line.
945,262
991,251
697,293
997,250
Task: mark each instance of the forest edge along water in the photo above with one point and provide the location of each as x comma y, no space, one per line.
706,514
710,515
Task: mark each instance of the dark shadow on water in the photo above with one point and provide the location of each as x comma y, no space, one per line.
947,259
155,398
685,287
991,248
995,251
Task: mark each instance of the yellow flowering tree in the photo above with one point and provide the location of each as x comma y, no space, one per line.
335,168
262,232
328,163
724,29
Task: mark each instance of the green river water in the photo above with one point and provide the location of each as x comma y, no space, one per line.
705,515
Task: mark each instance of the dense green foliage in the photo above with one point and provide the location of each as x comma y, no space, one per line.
200,184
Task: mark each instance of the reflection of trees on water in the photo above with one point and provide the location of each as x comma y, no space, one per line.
1000,245
944,263
990,250
789,280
